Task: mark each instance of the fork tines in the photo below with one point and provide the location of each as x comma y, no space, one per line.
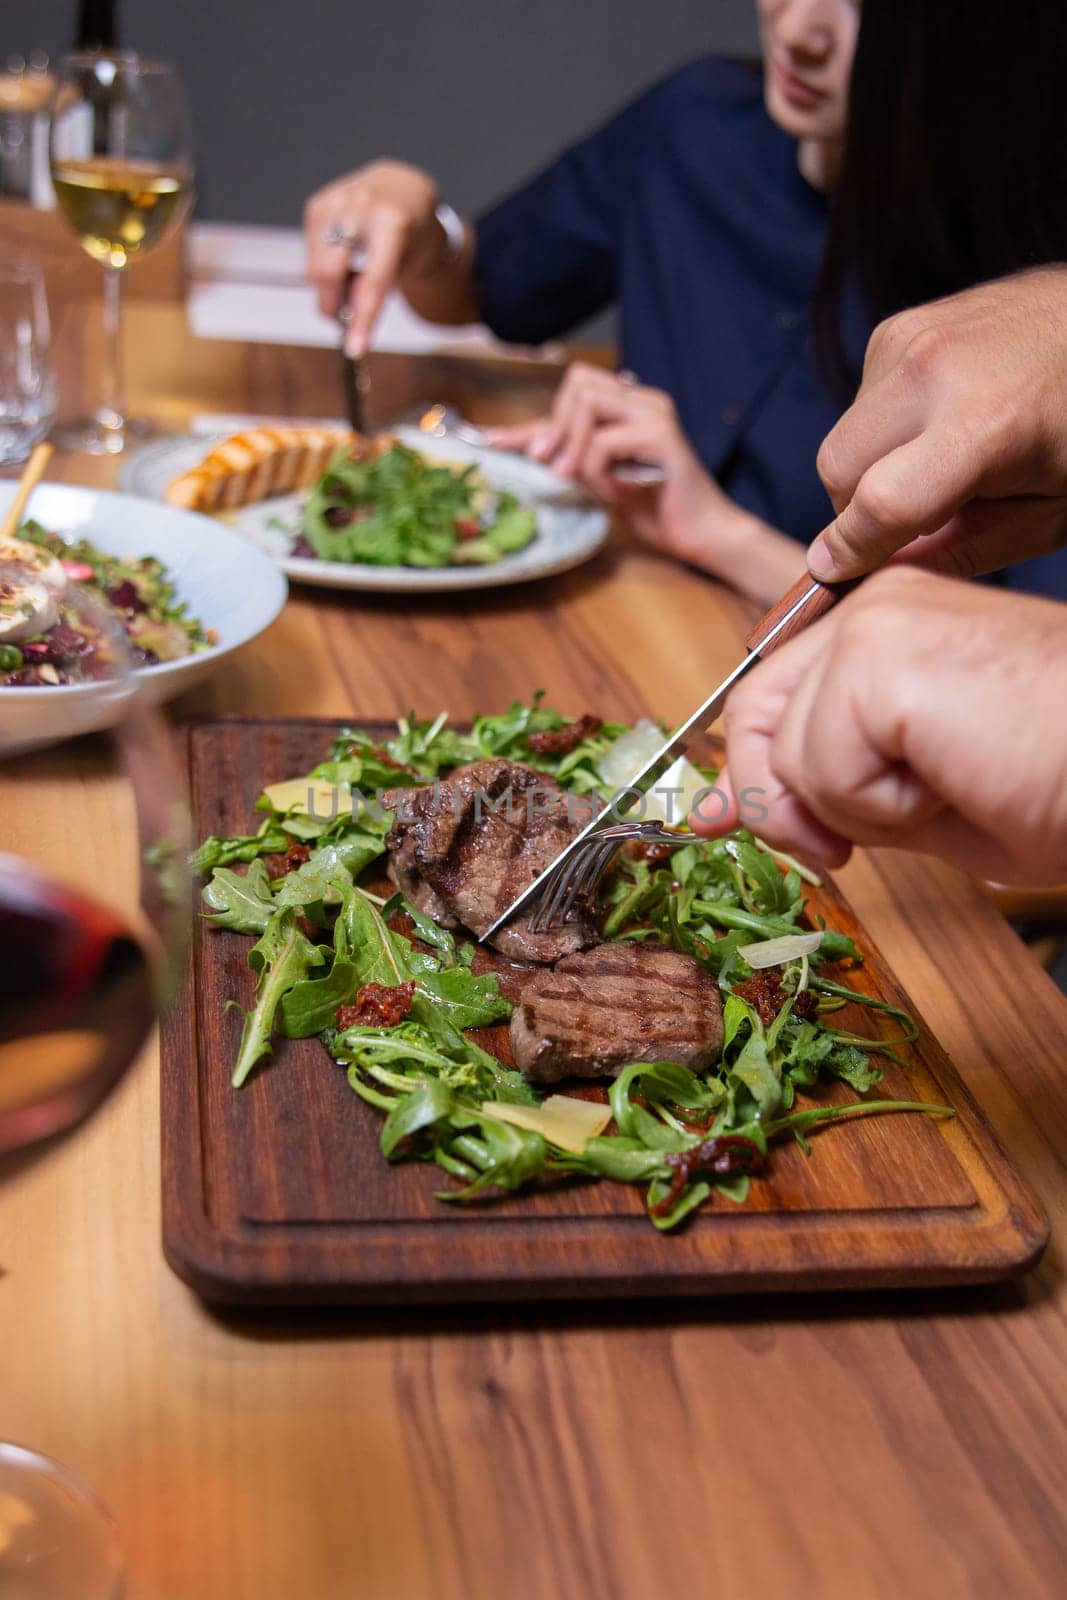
581,869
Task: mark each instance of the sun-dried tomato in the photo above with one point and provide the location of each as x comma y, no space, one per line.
381,755
764,993
723,1156
378,1005
805,1005
561,741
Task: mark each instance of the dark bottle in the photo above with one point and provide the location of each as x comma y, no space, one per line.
98,27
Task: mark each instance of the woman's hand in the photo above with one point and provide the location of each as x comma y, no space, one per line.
599,419
387,212
921,713
954,453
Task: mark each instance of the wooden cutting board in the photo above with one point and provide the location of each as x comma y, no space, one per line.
278,1193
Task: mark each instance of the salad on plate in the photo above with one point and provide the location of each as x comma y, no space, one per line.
384,504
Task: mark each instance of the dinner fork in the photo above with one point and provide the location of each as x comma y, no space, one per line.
577,877
445,422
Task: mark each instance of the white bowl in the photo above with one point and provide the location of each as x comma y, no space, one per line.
227,584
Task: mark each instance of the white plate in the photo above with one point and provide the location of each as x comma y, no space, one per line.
227,585
567,534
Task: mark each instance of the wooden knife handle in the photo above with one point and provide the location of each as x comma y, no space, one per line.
823,598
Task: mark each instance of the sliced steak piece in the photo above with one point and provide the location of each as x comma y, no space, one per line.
404,873
466,846
600,1009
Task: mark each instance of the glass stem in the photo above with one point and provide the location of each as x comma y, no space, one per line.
112,399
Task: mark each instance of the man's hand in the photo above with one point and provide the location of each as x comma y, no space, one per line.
920,713
954,453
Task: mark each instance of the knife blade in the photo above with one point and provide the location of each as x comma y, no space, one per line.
353,369
354,381
804,603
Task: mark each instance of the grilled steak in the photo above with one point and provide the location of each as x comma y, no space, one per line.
600,1009
404,872
463,848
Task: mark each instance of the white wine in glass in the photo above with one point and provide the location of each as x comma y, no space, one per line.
119,209
123,174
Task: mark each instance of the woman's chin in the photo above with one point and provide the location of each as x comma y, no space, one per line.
817,122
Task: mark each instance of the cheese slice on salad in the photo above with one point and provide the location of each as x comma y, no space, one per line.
561,1119
307,798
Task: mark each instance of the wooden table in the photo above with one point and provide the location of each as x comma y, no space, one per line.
873,1446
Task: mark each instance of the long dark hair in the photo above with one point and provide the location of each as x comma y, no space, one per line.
955,164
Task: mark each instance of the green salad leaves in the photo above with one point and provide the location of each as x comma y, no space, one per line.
136,595
400,509
324,942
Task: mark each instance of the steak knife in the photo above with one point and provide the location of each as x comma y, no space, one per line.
804,603
354,381
353,371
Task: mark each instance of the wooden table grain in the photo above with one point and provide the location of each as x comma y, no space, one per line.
854,1447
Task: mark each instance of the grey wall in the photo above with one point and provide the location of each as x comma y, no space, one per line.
287,94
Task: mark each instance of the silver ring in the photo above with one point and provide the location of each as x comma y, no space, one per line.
630,379
335,234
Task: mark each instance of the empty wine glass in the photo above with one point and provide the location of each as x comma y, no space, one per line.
27,382
93,917
122,170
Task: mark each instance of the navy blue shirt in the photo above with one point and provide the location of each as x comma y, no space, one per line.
688,210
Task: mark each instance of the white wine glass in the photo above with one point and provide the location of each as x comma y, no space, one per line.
122,167
94,912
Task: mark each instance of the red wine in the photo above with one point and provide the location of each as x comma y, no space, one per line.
76,1002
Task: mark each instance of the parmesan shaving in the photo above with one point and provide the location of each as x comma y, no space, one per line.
561,1119
776,952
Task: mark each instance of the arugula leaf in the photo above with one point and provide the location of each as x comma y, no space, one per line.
430,1102
764,889
281,958
218,852
379,954
311,1004
431,933
345,856
854,1066
735,1014
240,902
661,1083
456,994
393,1057
803,1122
691,1199
838,991
755,1070
508,1157
622,1159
